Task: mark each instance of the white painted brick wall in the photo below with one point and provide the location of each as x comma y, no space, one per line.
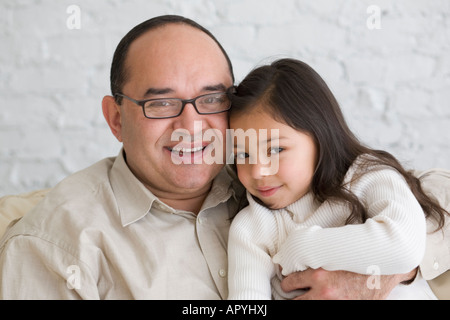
393,83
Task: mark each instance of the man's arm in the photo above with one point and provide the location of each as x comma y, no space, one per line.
342,285
33,268
347,285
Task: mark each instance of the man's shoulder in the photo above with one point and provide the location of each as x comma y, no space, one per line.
78,187
70,204
92,174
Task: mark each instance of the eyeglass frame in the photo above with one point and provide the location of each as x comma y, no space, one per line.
184,102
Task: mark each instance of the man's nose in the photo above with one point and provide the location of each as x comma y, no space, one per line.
188,118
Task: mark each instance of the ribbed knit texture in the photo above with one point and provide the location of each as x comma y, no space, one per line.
307,234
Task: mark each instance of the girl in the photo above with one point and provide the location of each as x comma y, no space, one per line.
318,198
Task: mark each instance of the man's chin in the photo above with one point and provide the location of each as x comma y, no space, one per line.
194,176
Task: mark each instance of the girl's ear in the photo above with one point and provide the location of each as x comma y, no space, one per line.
111,112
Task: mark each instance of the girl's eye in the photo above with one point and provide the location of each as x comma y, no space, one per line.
241,155
275,150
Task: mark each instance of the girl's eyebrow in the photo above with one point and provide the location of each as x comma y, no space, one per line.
236,146
275,139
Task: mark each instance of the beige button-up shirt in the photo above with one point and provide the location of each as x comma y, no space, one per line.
435,266
100,234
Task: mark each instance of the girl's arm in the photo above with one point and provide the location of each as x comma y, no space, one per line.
391,241
250,266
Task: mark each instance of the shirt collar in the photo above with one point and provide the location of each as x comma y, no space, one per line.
221,190
134,200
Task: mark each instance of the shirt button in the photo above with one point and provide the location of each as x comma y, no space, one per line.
436,265
222,273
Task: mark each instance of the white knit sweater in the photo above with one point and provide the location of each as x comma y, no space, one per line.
308,234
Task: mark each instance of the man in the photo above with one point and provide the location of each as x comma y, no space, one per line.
142,225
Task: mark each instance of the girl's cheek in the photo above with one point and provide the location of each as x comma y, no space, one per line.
243,175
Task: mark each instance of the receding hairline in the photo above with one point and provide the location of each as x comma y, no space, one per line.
122,74
162,28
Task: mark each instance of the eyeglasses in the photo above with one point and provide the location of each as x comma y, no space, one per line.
172,107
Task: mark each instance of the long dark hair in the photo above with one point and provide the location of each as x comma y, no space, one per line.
294,94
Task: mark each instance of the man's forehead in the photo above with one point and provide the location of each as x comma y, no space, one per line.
172,38
168,54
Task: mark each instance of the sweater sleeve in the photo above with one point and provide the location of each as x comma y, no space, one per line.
250,266
391,241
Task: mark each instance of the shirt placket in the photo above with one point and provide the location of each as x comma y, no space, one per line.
212,233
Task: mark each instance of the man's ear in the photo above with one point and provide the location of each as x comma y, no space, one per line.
111,112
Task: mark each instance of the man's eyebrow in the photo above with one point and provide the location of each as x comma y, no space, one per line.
217,87
163,91
157,91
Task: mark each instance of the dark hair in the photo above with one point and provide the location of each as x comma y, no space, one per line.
294,94
118,71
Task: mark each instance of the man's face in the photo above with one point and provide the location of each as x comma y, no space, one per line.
175,61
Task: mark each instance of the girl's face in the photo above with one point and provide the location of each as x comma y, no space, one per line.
275,162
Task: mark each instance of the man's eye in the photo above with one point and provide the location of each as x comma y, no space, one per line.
214,99
161,103
211,100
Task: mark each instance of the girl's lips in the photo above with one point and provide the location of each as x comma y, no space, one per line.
268,191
